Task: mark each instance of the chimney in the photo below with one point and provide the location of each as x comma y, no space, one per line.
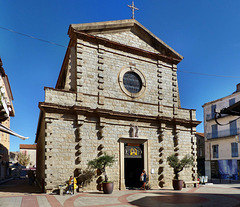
238,87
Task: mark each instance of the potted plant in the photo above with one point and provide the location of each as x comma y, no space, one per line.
101,163
178,166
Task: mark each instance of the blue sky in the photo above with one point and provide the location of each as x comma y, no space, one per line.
205,32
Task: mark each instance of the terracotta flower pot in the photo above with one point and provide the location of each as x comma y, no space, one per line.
177,184
108,187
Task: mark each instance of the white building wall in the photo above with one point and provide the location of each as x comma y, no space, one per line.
223,137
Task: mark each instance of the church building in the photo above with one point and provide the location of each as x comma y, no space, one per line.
117,93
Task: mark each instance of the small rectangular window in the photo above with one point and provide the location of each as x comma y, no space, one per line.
214,131
231,101
215,151
233,128
234,147
213,109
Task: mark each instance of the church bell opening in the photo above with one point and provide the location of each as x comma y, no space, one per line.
134,164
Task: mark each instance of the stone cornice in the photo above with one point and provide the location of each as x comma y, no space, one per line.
54,108
113,98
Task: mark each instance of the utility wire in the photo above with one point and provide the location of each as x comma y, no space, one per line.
26,35
205,74
53,43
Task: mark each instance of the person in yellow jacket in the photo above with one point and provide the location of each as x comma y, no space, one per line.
72,184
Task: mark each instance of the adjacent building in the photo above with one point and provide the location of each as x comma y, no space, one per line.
117,92
6,111
29,150
222,138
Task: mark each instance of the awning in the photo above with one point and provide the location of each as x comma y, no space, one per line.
9,131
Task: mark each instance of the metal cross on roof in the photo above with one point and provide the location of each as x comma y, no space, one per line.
133,9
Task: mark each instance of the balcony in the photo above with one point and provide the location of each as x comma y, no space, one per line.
223,133
212,116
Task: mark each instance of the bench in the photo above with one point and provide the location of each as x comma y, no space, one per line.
194,182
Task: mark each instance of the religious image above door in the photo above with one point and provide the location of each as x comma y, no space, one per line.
132,82
132,151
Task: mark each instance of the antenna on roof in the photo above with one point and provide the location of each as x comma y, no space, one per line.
133,8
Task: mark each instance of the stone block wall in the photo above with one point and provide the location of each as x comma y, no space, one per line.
62,145
59,149
100,70
128,38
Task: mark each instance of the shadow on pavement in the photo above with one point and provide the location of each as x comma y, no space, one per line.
187,199
19,186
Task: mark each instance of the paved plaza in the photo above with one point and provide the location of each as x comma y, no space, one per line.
17,193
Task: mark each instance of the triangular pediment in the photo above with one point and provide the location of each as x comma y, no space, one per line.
128,32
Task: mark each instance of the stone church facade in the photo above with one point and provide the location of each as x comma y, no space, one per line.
117,92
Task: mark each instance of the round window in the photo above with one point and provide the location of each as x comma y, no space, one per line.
132,82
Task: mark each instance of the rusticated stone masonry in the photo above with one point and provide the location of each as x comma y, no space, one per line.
176,141
100,74
79,72
101,126
78,142
174,90
194,153
161,153
160,87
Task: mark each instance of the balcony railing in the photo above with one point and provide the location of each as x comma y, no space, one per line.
223,133
212,116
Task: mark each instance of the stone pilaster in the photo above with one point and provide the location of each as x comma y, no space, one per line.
161,153
176,141
101,125
49,160
101,52
78,133
174,90
194,154
160,87
79,70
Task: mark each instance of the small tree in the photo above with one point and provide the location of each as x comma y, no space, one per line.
23,159
179,165
101,163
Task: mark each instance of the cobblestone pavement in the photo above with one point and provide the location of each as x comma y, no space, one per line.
17,193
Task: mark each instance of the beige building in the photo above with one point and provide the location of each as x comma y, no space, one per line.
222,138
6,111
117,92
30,150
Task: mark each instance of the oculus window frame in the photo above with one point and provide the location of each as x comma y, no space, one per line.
138,74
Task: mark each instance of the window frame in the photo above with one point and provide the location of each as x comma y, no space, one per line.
234,149
214,129
215,151
142,77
